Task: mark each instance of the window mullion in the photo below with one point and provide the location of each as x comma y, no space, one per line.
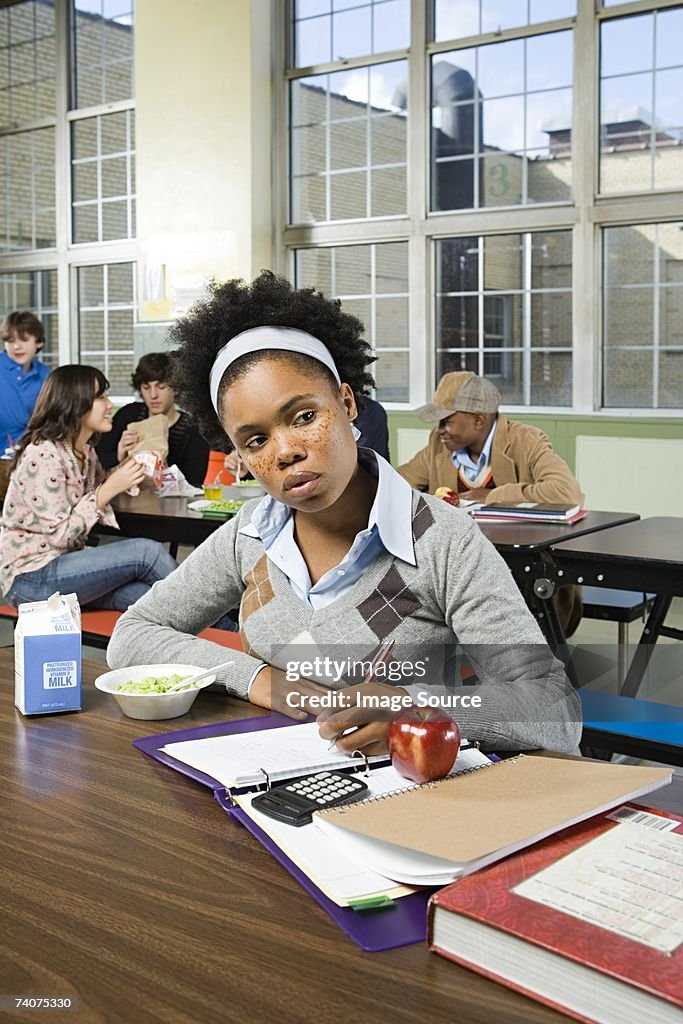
63,181
585,248
421,334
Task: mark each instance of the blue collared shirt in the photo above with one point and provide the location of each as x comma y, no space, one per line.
18,394
390,528
462,459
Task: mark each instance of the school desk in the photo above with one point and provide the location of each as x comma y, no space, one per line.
127,887
528,550
645,556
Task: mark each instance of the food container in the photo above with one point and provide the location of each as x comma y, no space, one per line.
152,707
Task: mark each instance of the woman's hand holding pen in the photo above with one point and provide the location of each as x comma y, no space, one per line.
359,726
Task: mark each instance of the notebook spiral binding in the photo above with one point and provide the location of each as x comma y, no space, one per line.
343,808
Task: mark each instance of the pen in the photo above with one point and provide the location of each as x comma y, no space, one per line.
383,652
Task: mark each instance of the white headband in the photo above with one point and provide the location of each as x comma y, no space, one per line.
256,339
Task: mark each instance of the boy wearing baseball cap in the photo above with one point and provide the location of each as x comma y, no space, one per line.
475,449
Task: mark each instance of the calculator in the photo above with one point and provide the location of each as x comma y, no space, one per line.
294,801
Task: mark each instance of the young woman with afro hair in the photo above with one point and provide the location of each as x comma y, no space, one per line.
341,555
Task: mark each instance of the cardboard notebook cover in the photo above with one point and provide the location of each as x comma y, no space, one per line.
498,810
487,899
400,925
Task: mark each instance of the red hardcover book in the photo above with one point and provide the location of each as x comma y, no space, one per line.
572,965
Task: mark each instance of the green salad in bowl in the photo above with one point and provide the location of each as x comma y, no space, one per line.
141,691
152,684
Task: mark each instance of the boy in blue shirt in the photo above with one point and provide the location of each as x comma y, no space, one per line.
21,374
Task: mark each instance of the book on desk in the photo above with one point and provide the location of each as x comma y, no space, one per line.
530,511
589,921
334,871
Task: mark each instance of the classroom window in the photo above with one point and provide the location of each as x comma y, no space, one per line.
537,129
372,282
36,291
102,46
503,310
27,62
643,316
67,167
501,123
348,144
332,30
457,19
27,177
641,102
103,185
106,313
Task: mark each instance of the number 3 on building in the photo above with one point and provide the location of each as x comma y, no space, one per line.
499,180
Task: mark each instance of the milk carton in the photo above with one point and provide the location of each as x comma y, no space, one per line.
47,656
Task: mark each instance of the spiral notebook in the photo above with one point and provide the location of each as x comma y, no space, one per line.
398,923
464,822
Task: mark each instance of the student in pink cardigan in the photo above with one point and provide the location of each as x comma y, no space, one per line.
58,491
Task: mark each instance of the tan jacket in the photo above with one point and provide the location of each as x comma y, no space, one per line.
525,467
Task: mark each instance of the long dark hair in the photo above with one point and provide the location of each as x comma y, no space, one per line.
64,399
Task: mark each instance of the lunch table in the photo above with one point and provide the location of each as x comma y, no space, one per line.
646,556
526,547
528,550
127,889
168,520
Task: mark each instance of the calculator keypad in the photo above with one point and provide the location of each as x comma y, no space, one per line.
296,800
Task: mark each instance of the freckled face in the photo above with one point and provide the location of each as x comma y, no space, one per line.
292,430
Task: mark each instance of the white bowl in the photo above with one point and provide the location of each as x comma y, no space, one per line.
152,707
235,492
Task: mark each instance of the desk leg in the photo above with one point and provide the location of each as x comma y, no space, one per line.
643,652
545,612
535,576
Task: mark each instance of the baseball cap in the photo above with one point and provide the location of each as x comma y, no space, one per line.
462,391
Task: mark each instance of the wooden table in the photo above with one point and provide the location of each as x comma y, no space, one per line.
126,887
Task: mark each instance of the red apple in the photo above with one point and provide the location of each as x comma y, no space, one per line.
423,743
447,494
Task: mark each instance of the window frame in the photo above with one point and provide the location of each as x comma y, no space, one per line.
67,256
586,214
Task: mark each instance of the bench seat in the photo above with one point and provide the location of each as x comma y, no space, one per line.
97,627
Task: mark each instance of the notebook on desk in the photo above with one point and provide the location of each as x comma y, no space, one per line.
530,511
403,924
463,823
251,758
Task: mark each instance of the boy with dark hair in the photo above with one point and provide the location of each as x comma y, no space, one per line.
21,374
186,447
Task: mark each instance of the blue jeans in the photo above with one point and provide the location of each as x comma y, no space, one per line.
110,576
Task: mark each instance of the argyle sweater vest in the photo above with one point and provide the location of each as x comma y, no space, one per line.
459,591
